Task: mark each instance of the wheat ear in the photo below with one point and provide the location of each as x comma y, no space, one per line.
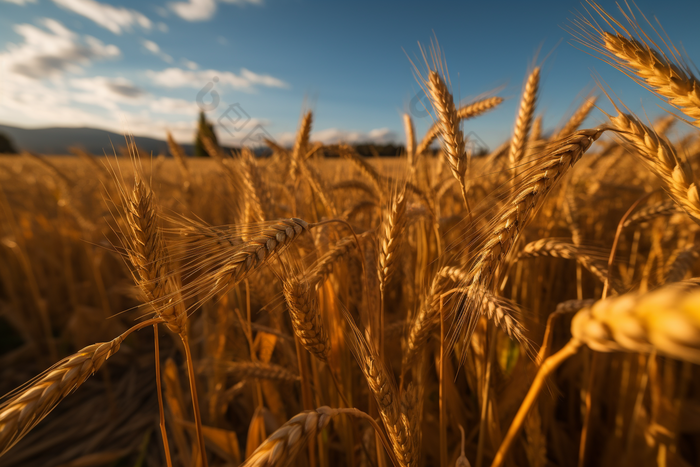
323,266
463,113
665,321
259,370
501,311
283,446
666,76
254,211
390,235
383,388
660,156
449,126
149,256
306,317
528,198
90,159
666,208
22,412
682,262
576,119
369,171
319,186
257,251
180,158
524,120
300,146
212,148
557,249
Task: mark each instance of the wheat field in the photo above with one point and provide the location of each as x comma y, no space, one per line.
535,306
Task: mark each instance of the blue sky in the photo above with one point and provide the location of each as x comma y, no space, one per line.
139,66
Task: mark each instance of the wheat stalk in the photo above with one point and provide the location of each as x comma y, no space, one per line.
410,140
355,185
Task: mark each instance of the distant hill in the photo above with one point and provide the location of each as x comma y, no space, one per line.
59,140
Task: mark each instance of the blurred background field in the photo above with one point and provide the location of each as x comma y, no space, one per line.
298,249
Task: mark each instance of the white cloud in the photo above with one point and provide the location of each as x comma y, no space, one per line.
61,102
155,50
203,10
51,52
168,105
246,80
20,2
335,135
190,64
113,18
162,27
105,92
194,10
